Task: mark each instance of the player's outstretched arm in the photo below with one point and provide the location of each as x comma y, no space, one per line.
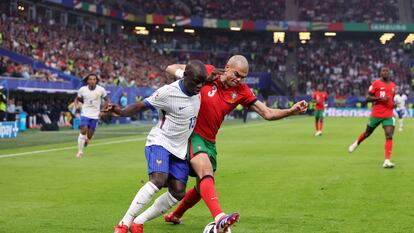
178,71
272,114
129,110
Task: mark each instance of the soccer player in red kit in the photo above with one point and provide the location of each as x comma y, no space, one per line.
381,93
219,98
319,96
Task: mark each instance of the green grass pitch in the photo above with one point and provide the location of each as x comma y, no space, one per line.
278,175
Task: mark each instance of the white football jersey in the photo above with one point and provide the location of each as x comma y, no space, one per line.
400,100
92,100
177,117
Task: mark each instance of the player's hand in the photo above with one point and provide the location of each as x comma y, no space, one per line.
214,73
300,107
112,109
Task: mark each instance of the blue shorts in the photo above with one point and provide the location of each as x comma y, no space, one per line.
161,160
401,113
91,123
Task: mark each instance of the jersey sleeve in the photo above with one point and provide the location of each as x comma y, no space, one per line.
159,99
250,98
209,69
372,88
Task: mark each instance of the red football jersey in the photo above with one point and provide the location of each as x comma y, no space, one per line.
383,109
216,103
320,97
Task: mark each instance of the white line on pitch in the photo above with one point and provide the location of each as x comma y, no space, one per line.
111,142
69,148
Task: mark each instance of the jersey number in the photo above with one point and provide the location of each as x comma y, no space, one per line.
382,94
192,122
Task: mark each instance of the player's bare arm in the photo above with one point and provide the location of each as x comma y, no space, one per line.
272,114
77,101
178,71
129,110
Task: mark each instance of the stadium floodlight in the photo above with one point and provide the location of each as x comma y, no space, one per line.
330,33
303,41
187,30
140,28
21,8
122,27
304,35
278,37
142,32
235,28
168,29
409,39
386,37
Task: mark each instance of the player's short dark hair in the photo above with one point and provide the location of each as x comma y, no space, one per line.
196,68
85,79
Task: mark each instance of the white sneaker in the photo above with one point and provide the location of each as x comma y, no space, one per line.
318,133
79,154
400,129
388,164
352,147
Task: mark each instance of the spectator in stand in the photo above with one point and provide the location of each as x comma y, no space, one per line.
368,11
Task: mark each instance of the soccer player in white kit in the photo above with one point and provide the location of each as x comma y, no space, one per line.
91,95
178,104
399,101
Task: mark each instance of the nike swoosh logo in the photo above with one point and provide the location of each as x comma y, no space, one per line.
181,108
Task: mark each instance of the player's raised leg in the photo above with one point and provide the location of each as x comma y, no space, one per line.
373,123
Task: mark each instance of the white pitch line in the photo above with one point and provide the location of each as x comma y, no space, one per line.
69,148
111,142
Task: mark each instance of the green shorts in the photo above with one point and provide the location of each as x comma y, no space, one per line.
318,114
196,145
373,122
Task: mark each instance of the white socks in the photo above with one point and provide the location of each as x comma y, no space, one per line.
81,142
160,206
142,198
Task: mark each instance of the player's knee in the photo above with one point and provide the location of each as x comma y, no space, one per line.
158,181
177,192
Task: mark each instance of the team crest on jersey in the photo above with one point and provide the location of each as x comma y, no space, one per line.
234,95
212,92
158,161
199,147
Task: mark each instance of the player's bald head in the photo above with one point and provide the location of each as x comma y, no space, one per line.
238,63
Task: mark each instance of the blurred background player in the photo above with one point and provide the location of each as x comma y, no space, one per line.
381,93
178,104
319,96
218,98
399,101
91,95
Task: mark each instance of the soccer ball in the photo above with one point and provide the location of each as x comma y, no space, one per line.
211,228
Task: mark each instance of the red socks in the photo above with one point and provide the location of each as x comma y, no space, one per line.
388,148
209,195
316,125
361,138
320,125
191,198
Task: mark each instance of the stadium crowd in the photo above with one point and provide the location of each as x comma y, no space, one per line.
117,60
9,68
347,67
381,11
233,9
